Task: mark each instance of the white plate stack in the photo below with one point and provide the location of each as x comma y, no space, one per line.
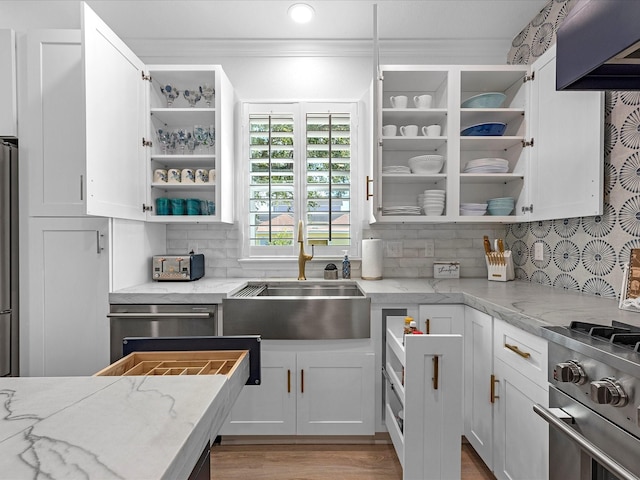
402,210
487,165
395,170
473,209
432,202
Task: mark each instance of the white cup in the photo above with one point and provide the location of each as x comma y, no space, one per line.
422,101
399,101
212,175
188,175
432,131
160,176
389,130
202,176
409,130
174,175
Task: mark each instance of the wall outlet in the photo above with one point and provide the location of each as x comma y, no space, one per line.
538,251
429,248
393,249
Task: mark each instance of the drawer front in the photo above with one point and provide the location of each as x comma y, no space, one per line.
524,351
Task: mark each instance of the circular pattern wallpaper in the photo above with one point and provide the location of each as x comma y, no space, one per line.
585,254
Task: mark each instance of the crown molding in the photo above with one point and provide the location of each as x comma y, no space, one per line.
446,50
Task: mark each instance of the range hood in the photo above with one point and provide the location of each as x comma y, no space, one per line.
598,46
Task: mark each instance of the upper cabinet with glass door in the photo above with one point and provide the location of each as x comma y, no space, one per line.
509,143
159,137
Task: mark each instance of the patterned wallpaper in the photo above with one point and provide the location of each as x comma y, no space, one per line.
585,254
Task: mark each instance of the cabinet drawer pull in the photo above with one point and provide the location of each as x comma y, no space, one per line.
427,326
435,372
515,349
492,388
301,381
288,381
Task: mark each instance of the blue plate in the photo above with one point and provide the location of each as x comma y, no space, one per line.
489,129
485,100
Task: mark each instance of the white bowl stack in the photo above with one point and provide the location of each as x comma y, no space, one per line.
426,164
473,209
432,202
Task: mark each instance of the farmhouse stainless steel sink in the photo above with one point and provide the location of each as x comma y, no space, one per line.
298,311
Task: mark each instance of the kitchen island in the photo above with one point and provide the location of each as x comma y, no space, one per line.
108,427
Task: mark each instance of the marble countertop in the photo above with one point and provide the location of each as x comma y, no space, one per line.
527,305
107,427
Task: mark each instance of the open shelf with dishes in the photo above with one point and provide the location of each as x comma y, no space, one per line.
190,123
504,132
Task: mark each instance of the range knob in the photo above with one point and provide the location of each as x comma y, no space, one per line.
608,391
570,371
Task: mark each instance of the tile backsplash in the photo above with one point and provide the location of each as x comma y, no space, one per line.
585,254
405,249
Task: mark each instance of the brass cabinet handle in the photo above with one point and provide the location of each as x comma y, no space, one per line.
492,388
301,381
435,372
369,195
427,326
288,381
515,349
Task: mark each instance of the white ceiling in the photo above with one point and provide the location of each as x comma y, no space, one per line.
266,19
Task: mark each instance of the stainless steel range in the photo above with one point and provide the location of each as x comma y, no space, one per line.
594,402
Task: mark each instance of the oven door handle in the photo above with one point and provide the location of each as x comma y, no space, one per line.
159,315
602,458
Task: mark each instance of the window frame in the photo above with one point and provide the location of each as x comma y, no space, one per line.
299,111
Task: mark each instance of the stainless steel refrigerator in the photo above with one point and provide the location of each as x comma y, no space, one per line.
8,259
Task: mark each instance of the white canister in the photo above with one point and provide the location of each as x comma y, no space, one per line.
372,259
188,175
174,175
159,176
212,175
202,176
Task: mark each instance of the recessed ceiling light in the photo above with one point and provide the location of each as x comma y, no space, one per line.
301,12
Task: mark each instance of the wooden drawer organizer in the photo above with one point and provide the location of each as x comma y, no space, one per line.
218,362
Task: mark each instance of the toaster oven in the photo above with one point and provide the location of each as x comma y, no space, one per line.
178,267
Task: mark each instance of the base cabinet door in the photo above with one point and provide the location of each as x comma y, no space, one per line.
64,307
521,440
307,393
335,394
478,409
268,408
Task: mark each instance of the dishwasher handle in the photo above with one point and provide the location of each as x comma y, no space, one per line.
160,315
602,458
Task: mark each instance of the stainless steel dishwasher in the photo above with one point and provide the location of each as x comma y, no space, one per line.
159,321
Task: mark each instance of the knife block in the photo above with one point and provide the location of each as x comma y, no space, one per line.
499,266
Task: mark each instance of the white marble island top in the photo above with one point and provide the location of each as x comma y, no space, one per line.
107,427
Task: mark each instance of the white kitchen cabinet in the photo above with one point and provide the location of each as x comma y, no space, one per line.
521,440
66,300
423,401
478,371
52,114
551,137
124,107
505,375
8,80
307,393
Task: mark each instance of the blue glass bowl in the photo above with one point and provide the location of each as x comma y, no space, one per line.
489,129
485,100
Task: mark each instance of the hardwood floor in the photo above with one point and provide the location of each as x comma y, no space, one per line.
321,462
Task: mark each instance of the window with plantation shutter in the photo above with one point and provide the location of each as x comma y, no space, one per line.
328,183
300,166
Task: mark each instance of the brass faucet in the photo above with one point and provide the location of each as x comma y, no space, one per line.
303,258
